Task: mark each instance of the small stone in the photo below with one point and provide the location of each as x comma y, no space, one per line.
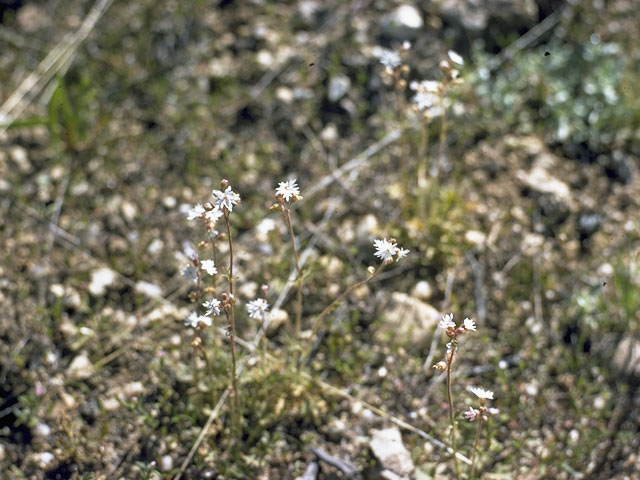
68,400
422,290
285,95
166,463
277,319
148,289
338,87
403,23
388,448
31,17
44,459
588,224
81,367
18,155
169,202
367,229
410,319
133,388
155,247
57,290
100,280
42,430
329,134
248,290
475,237
336,430
129,210
626,359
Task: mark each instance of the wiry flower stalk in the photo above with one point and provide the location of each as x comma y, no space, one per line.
453,332
451,415
285,193
385,250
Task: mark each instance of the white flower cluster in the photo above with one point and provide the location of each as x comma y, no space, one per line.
258,309
447,324
386,249
213,213
427,97
390,59
483,395
288,190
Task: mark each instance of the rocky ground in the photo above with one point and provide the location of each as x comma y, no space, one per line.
530,227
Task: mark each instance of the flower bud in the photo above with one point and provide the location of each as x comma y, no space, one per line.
224,183
441,365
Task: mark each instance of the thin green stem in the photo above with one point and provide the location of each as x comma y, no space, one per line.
298,272
476,443
232,323
215,278
339,298
443,136
451,413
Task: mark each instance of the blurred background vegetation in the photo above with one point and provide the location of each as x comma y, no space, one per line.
115,116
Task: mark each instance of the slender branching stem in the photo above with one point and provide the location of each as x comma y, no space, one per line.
212,240
209,369
423,153
287,214
232,333
338,299
476,443
443,136
451,412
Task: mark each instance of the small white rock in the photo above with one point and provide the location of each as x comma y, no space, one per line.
148,289
338,87
57,290
44,459
18,155
388,448
422,290
81,367
100,280
403,23
166,463
129,210
42,430
169,202
155,247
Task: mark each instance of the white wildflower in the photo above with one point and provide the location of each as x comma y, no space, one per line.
212,306
258,308
213,215
194,320
189,273
455,57
385,249
481,393
196,212
390,59
189,251
226,199
426,86
401,253
425,100
209,267
447,322
471,414
288,189
469,324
